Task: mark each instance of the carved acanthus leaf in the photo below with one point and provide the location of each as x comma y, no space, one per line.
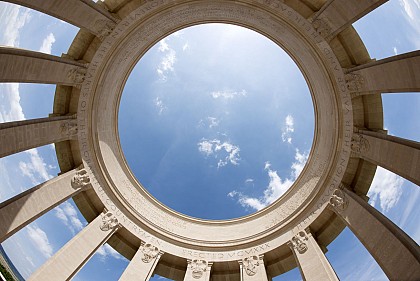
149,252
250,265
109,221
198,267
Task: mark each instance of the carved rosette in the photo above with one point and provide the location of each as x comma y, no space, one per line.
298,242
355,82
77,75
322,27
250,264
359,144
103,28
80,179
339,200
69,128
198,267
109,221
149,252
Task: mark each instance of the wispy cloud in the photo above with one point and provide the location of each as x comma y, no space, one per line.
385,189
40,240
13,18
68,215
412,14
167,61
160,106
228,95
106,251
219,149
185,47
209,122
47,44
276,187
288,129
36,169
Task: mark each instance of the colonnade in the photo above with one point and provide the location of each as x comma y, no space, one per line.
396,253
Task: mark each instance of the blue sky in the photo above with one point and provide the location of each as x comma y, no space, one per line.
190,124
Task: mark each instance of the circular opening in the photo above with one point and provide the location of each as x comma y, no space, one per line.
216,121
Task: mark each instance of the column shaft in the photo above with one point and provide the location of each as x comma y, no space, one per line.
336,15
391,75
18,65
395,252
72,256
143,264
23,135
26,207
311,260
81,13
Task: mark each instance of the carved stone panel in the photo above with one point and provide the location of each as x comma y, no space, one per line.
355,82
198,267
80,179
103,28
359,144
298,242
322,27
77,75
250,265
109,221
338,200
69,128
149,252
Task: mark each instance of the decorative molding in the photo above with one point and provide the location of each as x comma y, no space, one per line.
77,75
198,267
355,82
322,27
250,264
298,242
69,128
109,221
149,252
339,200
359,144
103,28
80,179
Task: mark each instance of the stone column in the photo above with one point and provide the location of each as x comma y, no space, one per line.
395,154
336,15
23,135
198,270
143,264
18,65
398,74
84,14
312,262
395,252
252,269
27,206
71,258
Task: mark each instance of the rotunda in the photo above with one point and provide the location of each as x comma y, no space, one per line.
329,195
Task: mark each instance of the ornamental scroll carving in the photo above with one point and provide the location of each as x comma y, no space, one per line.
69,128
250,264
149,252
339,200
80,179
355,82
322,27
109,221
77,75
359,144
198,267
298,242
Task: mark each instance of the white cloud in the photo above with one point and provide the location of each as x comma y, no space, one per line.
288,129
276,186
228,95
68,215
167,61
13,18
412,15
40,240
219,149
107,251
159,105
36,169
185,47
395,51
386,189
47,44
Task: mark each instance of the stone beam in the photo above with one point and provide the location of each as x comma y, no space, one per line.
395,154
26,207
395,252
71,257
82,13
198,270
395,74
252,268
23,135
19,65
312,262
336,15
143,264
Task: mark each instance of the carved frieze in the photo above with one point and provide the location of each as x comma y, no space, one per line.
80,179
298,242
355,82
109,221
250,265
69,128
338,200
198,267
149,252
359,144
